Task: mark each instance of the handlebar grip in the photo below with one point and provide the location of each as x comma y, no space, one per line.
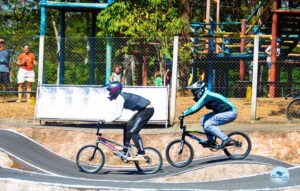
98,126
181,122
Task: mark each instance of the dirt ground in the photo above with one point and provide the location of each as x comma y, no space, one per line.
268,109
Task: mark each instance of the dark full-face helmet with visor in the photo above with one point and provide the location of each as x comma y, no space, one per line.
114,89
198,89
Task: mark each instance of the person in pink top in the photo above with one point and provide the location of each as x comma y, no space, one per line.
26,62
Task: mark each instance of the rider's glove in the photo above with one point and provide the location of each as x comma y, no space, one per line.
181,116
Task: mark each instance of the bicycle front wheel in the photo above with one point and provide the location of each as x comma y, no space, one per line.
179,153
90,159
293,110
153,162
240,147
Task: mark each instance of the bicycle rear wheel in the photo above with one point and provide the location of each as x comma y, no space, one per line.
240,147
293,110
153,162
90,159
179,153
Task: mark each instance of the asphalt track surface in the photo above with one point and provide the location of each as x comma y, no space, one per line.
52,169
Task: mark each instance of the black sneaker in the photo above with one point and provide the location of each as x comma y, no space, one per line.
208,144
224,143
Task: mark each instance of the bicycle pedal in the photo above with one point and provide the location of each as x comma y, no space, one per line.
137,158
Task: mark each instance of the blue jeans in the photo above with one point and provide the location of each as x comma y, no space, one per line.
211,121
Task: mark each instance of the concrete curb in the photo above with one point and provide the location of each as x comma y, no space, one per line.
90,126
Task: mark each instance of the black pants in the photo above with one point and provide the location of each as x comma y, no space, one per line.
133,127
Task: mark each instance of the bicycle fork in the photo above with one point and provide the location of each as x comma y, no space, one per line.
94,152
182,142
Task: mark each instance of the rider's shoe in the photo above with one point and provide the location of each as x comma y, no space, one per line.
208,144
139,157
224,143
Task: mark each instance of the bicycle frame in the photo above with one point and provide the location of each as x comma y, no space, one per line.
294,95
188,133
110,144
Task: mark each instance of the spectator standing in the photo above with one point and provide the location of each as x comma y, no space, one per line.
268,52
116,75
168,59
158,79
4,66
26,62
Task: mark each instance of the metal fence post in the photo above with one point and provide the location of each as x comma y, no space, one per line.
61,67
108,59
254,78
174,80
42,45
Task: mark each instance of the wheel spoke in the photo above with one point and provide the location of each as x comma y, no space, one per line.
90,159
240,147
179,154
152,162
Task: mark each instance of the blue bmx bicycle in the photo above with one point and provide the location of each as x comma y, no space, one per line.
180,153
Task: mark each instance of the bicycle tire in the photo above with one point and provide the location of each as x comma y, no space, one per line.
174,148
293,110
243,138
154,163
88,164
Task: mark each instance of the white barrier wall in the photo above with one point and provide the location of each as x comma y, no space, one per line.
90,103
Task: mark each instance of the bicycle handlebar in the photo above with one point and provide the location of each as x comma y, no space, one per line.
181,121
100,122
293,94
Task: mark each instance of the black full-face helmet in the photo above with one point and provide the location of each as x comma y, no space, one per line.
198,89
114,89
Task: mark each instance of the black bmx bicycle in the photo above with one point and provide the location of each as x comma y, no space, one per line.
91,158
180,153
293,108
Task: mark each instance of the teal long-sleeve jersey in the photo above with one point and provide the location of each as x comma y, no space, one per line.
213,101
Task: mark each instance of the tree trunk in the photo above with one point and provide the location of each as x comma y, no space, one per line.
57,44
184,12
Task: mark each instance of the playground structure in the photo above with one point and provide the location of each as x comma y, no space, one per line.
284,26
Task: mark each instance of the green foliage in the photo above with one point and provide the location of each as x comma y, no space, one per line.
19,18
150,18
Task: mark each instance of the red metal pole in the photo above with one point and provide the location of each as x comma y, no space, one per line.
243,44
207,21
242,64
218,15
207,11
217,26
272,89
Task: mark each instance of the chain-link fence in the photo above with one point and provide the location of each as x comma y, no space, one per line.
89,61
228,71
226,64
219,61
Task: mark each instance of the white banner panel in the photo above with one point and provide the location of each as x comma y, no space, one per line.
86,103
